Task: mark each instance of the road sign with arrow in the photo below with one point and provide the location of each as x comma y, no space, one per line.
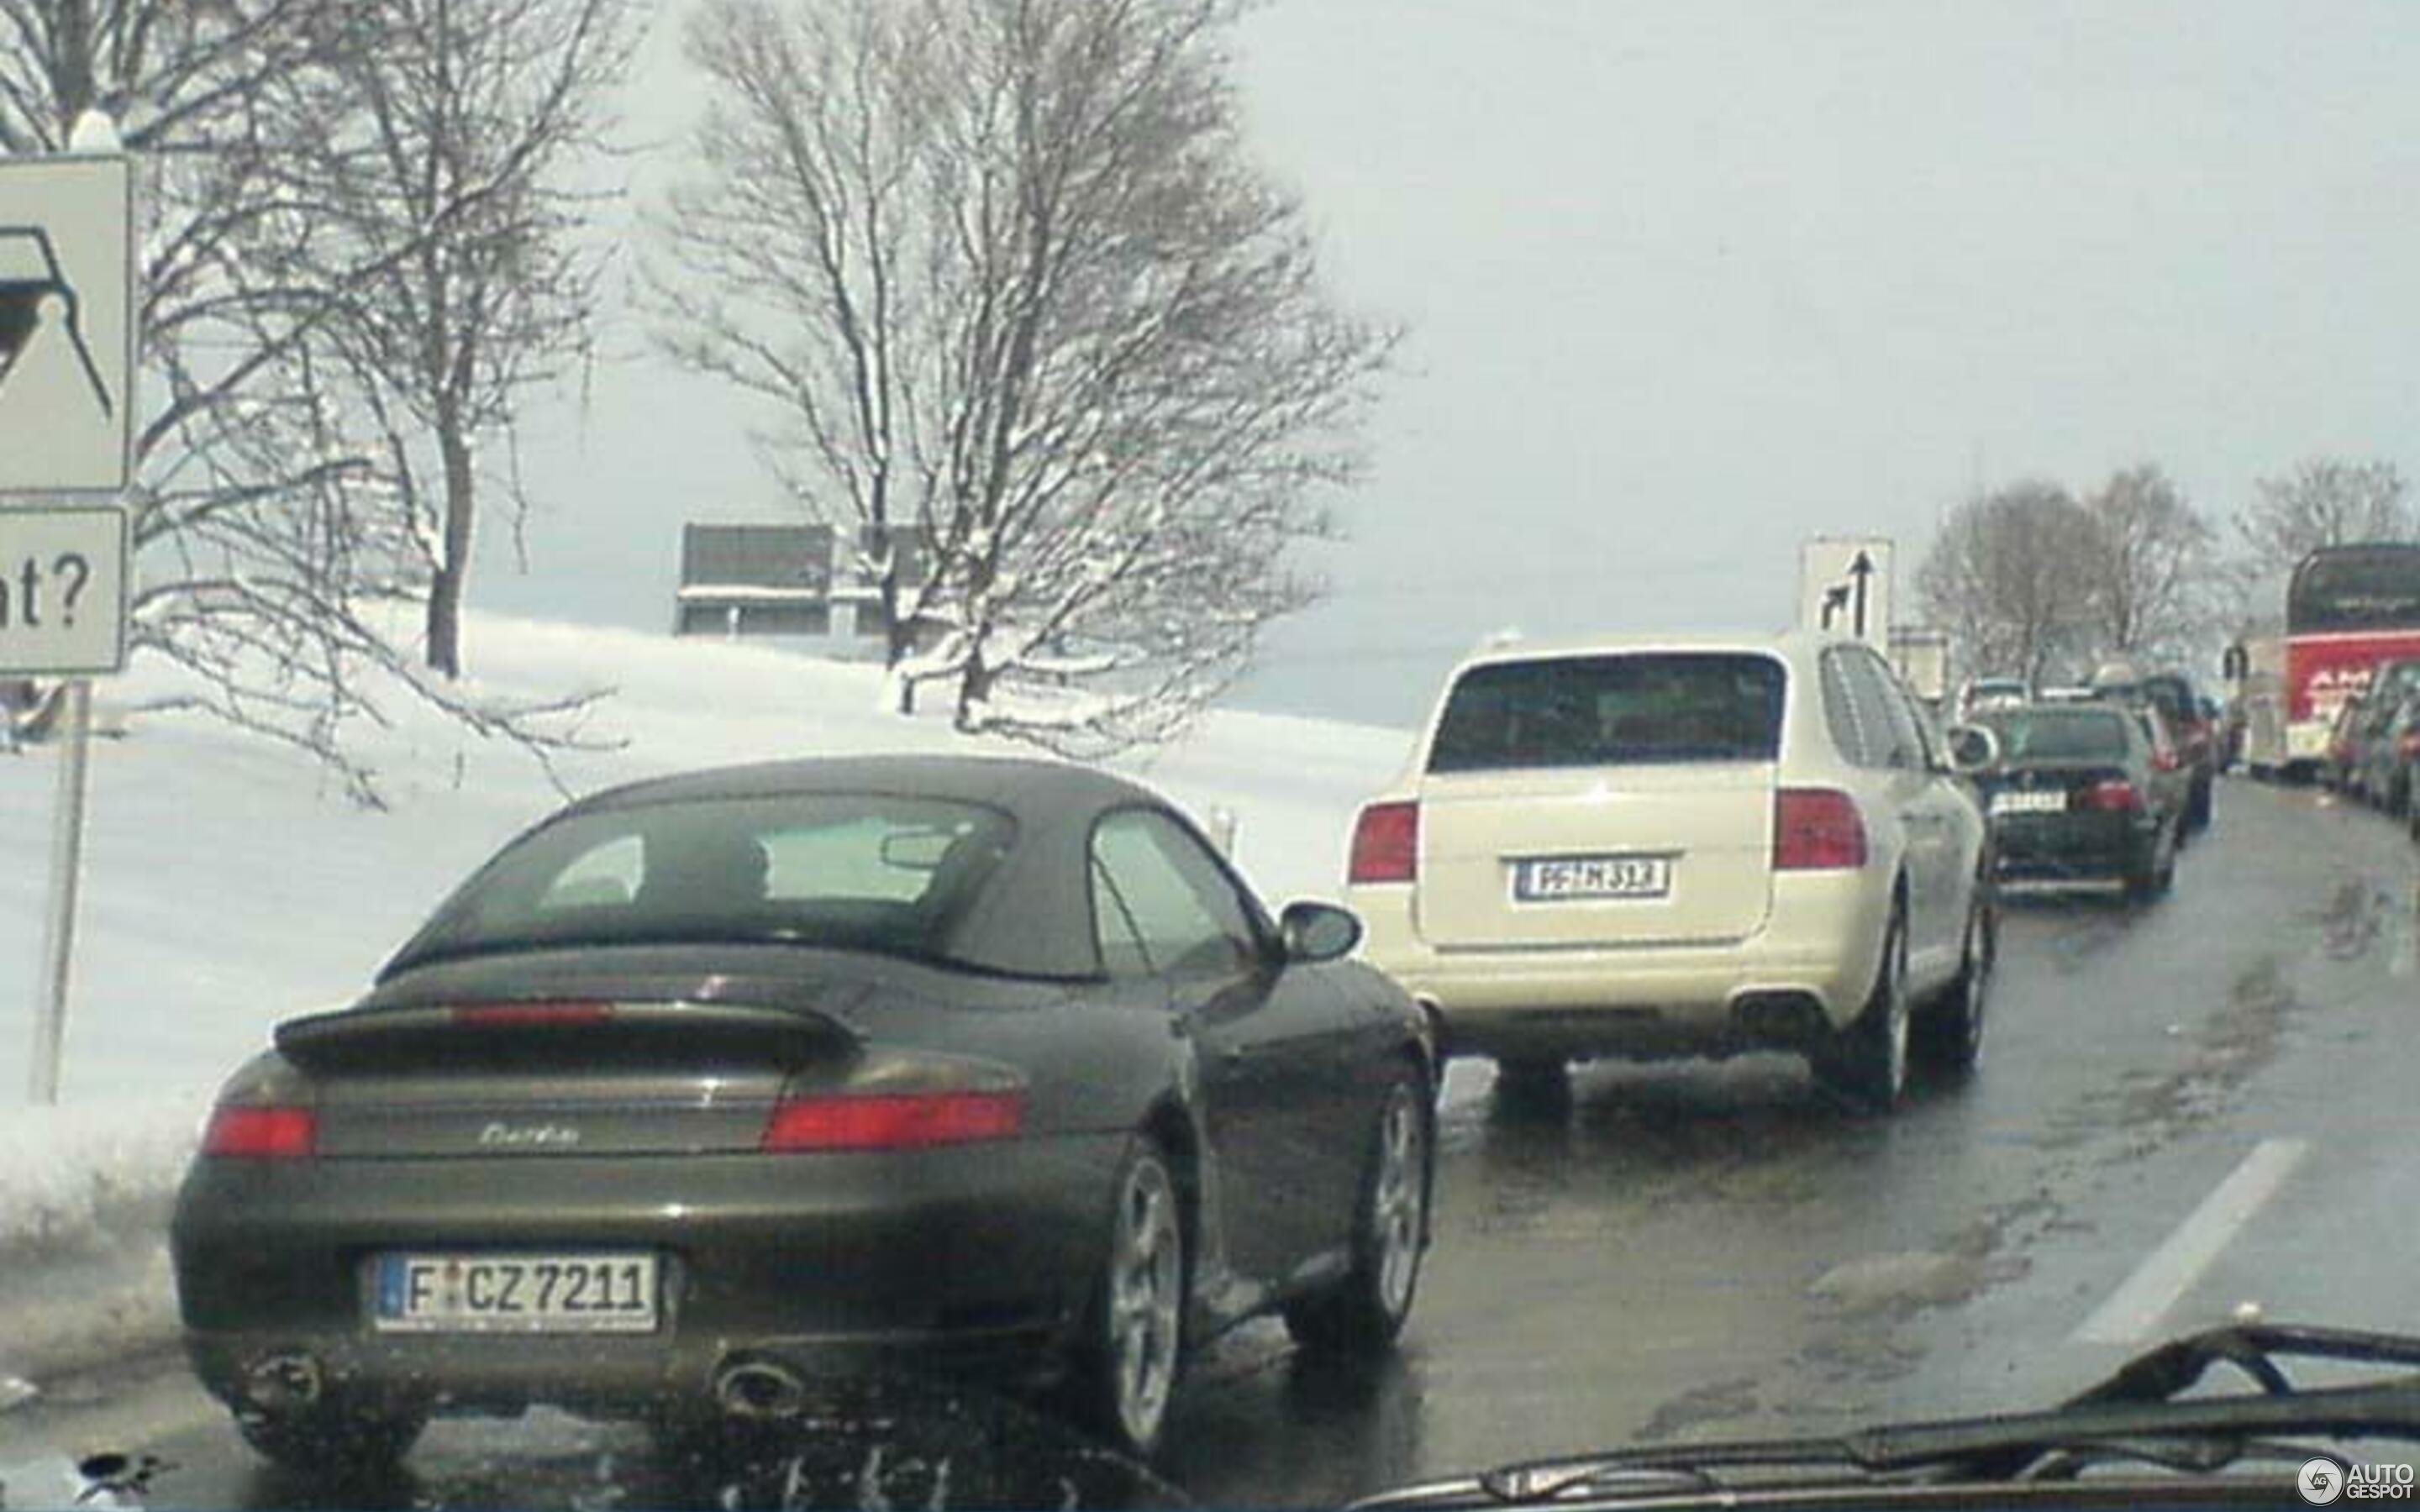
1844,586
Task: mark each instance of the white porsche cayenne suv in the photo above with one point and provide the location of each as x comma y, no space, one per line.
1663,847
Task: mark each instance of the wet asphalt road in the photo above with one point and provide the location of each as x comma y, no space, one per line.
1697,1250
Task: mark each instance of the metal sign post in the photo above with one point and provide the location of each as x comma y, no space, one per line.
59,925
67,318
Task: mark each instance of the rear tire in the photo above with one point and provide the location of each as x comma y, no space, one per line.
1950,1034
1132,1347
330,1441
1362,1314
2147,875
1867,1062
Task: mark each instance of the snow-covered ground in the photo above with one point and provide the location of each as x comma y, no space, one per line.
229,883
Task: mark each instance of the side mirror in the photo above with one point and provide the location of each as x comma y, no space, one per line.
1315,932
1973,749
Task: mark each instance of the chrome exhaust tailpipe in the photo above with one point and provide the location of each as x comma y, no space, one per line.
759,1390
282,1383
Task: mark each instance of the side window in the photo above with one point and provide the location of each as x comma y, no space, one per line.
1841,713
605,877
1160,903
1908,722
1115,930
1929,750
1889,728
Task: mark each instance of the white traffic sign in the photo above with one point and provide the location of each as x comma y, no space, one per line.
1844,586
67,324
62,591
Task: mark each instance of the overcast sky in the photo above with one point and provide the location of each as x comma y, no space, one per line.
1686,283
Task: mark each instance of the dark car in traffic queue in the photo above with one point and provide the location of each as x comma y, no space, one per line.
755,1091
2393,761
2198,740
2375,760
2084,793
2338,757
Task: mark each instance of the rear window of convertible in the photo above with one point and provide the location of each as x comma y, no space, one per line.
1612,710
875,871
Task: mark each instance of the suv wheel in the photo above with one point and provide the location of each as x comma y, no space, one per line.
1949,1033
2152,869
1867,1061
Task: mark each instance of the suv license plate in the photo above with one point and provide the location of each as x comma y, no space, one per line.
1557,878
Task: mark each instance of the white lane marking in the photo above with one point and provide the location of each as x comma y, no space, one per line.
2135,1309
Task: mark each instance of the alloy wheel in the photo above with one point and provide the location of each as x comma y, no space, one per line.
1146,1298
1399,1200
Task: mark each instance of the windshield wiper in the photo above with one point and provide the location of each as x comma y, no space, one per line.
2137,1414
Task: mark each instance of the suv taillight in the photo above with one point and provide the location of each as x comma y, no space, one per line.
1817,830
1386,843
253,1133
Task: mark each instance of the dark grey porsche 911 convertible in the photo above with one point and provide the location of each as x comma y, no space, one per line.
762,1090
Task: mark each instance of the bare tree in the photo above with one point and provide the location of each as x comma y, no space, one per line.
267,550
1006,274
2325,501
2012,574
449,186
2152,566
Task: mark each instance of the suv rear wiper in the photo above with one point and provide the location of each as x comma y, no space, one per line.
2137,1414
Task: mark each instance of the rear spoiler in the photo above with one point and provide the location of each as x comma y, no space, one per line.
518,1034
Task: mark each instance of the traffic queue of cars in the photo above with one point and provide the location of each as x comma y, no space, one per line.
776,1091
2374,744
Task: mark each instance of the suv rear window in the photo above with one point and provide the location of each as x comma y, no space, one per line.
1610,711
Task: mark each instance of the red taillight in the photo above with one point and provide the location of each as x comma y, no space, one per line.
2115,794
1817,830
1386,843
892,1120
519,1015
261,1132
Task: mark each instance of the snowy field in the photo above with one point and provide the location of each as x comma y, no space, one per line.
229,884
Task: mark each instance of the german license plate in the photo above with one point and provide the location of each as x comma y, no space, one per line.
483,1292
2047,801
1555,878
